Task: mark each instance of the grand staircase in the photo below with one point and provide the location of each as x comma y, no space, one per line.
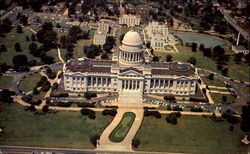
130,96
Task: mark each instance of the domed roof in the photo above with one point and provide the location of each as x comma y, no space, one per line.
132,38
81,62
180,67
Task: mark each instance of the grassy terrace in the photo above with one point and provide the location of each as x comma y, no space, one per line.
217,98
192,134
64,129
212,82
121,130
10,39
4,80
236,71
30,82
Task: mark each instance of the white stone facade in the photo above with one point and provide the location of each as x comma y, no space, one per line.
158,35
129,20
101,33
99,38
130,73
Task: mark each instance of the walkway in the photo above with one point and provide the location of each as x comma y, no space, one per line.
126,104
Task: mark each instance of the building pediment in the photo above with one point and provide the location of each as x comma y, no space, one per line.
131,71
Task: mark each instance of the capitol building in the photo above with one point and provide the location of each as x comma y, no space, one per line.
130,72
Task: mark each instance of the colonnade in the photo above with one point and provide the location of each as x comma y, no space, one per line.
161,83
99,81
130,56
130,84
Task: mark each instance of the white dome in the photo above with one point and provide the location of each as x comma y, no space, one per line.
132,38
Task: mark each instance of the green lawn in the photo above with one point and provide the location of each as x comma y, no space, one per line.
10,39
124,30
30,82
217,98
212,82
78,52
192,134
236,71
64,129
4,80
121,130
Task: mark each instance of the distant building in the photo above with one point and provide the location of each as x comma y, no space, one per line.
129,20
84,26
101,33
158,35
240,49
103,27
99,38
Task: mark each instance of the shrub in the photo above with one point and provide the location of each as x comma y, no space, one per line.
171,118
193,109
86,104
45,108
89,95
64,104
60,75
136,142
230,118
112,112
55,86
31,108
156,114
94,139
194,99
89,113
169,98
177,108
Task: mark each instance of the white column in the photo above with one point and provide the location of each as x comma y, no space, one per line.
168,83
91,81
154,83
101,81
136,84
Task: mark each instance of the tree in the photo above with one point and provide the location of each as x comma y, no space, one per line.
3,48
238,57
224,98
169,58
33,48
192,60
18,47
35,91
155,59
33,37
207,52
92,51
107,47
245,116
45,108
211,76
194,47
94,139
170,98
23,20
75,33
19,61
104,55
27,38
89,95
136,142
19,29
5,96
218,51
148,45
202,47
225,72
3,67
171,118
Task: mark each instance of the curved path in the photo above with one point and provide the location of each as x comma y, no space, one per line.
123,107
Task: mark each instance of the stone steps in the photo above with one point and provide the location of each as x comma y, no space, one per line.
130,97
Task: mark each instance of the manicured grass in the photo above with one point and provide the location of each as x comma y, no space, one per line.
78,52
121,130
10,40
64,129
192,134
217,98
212,82
30,82
236,71
124,30
5,80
